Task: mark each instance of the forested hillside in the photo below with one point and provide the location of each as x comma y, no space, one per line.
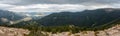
6,16
94,20
88,20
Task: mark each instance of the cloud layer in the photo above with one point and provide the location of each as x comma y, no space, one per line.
56,5
26,2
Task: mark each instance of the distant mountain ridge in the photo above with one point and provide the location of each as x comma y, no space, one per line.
6,16
98,22
87,18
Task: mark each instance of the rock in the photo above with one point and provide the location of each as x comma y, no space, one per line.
5,31
113,31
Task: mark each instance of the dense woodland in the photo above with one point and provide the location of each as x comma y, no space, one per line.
88,20
8,15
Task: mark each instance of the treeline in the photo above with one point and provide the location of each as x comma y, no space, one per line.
89,20
34,26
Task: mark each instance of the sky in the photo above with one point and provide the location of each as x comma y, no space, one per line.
56,5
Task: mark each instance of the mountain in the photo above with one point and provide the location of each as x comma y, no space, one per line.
99,22
87,18
7,16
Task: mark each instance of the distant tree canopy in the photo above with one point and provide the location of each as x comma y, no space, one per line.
9,16
93,20
87,18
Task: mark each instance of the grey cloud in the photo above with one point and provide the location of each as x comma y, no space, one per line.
27,2
23,5
10,1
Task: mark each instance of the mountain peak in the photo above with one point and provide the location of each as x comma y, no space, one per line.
109,10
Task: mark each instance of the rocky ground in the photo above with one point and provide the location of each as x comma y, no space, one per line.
114,31
5,31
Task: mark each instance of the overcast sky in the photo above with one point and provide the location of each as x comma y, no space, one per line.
56,5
